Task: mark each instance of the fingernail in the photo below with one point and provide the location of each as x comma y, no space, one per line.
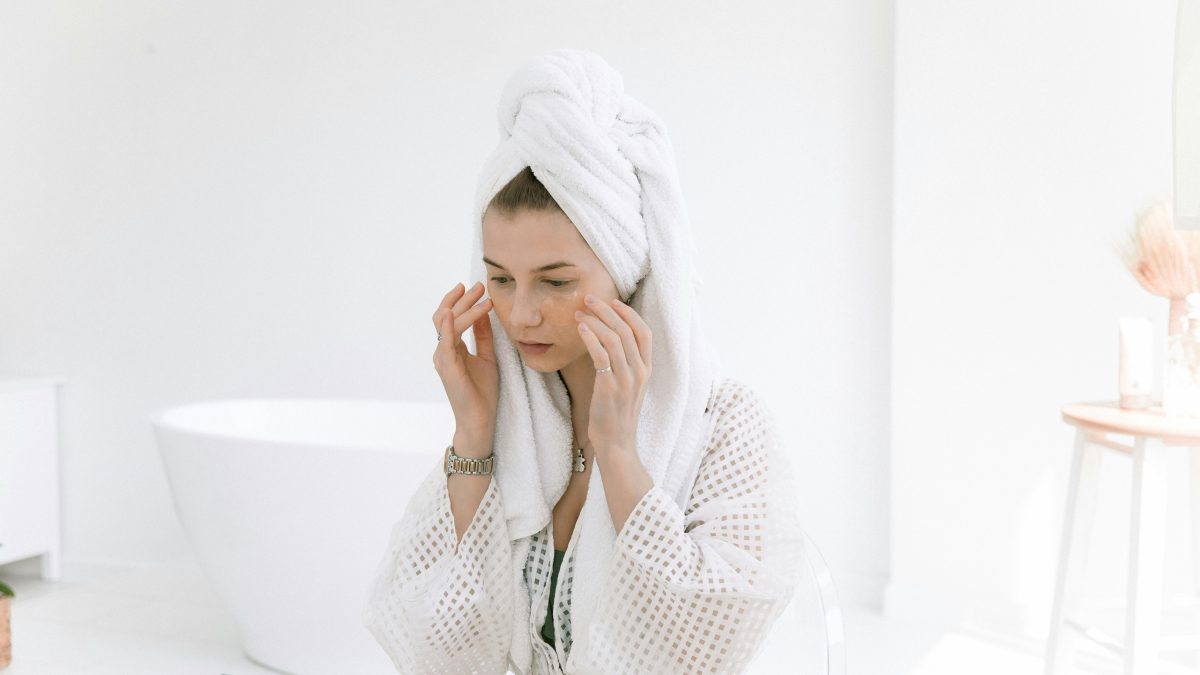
589,298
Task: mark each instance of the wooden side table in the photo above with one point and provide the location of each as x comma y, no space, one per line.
1154,435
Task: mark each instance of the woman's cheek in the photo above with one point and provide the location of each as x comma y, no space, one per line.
562,304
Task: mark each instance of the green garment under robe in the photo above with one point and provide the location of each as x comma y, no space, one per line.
548,626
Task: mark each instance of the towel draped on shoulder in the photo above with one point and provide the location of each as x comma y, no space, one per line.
608,162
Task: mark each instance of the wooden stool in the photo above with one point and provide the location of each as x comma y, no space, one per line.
1153,434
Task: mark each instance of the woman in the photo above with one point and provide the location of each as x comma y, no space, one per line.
620,506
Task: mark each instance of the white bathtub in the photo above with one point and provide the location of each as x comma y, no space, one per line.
288,504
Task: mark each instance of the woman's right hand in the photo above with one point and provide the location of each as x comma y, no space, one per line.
471,381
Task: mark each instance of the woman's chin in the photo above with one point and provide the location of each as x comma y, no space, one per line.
536,363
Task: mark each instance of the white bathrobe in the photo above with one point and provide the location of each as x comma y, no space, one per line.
693,590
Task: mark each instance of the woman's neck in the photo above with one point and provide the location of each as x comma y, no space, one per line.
579,376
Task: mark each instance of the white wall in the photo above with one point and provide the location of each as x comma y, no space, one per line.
207,200
1028,136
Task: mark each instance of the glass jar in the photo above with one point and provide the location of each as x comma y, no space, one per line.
1181,381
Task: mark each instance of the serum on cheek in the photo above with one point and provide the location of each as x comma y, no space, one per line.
562,301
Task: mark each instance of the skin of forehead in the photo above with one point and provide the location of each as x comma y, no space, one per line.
539,237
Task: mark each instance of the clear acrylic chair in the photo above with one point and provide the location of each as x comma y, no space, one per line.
809,637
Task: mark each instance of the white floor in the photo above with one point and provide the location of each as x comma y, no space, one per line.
166,620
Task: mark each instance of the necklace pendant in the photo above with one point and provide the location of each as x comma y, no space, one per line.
580,462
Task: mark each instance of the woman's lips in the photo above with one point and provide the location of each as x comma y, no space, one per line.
533,347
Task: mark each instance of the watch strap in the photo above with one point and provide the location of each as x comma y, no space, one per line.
470,466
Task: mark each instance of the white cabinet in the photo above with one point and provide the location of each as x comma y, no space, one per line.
30,517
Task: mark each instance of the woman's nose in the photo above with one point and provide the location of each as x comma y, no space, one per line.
526,309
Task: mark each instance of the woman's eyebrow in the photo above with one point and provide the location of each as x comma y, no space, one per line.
543,268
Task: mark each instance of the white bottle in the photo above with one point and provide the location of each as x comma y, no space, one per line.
1181,381
1136,362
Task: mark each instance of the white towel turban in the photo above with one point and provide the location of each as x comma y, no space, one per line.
607,161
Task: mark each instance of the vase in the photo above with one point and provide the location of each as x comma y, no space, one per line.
1175,317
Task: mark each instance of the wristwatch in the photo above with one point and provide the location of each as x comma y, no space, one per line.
471,466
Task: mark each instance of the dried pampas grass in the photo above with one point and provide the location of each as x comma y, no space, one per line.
1165,261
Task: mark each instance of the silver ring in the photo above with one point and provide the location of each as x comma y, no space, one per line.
605,369
439,337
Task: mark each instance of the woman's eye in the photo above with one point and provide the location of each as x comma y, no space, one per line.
553,282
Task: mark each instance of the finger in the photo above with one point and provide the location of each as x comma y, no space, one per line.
483,338
609,340
447,302
445,353
600,358
619,327
641,330
469,298
469,317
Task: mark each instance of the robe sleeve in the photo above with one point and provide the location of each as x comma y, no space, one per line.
698,590
439,605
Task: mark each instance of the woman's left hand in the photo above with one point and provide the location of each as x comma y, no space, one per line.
615,336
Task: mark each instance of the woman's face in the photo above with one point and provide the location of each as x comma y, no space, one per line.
536,305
